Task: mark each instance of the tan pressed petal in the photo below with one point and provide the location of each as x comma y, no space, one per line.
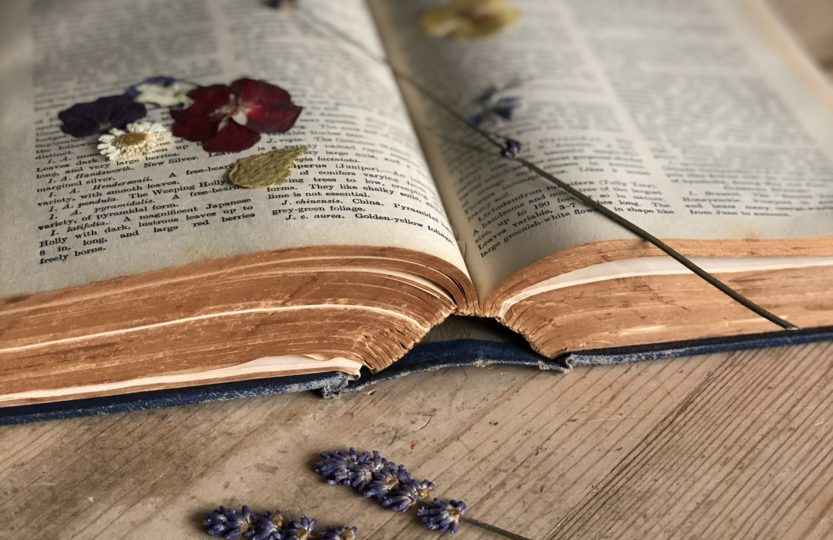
268,169
466,19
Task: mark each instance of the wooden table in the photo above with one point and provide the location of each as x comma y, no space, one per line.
722,446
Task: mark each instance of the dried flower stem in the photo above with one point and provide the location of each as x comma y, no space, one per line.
645,235
588,201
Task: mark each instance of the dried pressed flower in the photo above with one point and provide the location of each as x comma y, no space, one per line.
511,148
101,115
136,141
464,19
161,91
442,515
231,118
494,104
267,169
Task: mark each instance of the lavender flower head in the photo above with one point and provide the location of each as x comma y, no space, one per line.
228,523
335,466
361,473
407,494
268,526
443,515
340,533
300,529
385,480
511,148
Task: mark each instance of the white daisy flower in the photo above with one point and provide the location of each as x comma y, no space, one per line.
136,141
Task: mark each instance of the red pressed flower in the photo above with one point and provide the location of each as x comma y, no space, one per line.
231,118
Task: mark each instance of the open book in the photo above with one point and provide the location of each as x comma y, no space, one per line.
698,120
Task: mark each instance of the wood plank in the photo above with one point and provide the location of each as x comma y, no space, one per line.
737,445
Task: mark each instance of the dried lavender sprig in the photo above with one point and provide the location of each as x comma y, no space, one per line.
394,488
504,147
231,524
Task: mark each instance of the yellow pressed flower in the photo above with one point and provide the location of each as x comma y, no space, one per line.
466,19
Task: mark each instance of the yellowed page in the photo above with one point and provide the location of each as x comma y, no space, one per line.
69,217
692,118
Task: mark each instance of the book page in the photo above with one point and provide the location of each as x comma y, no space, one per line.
68,216
692,118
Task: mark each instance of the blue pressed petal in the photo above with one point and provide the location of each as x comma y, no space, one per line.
476,120
103,114
504,112
509,102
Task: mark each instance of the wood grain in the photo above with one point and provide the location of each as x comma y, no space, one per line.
737,445
733,445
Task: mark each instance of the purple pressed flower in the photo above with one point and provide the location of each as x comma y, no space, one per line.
335,466
340,533
492,105
299,529
228,523
267,526
390,477
442,515
511,148
476,119
101,115
505,106
406,494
